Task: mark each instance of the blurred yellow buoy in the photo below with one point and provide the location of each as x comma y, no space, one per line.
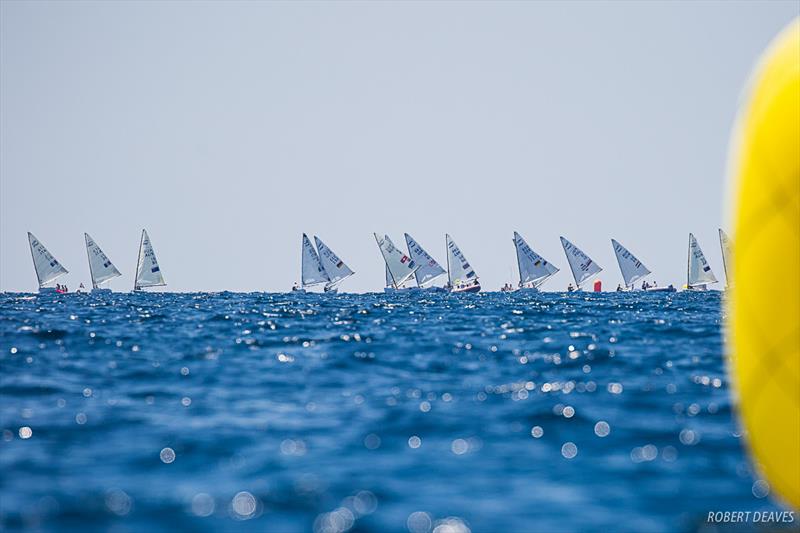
764,305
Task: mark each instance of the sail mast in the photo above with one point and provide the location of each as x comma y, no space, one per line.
688,260
386,263
138,263
519,260
447,253
724,264
564,243
33,258
724,245
89,258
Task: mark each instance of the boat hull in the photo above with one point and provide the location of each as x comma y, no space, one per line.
433,289
527,290
669,288
403,289
470,288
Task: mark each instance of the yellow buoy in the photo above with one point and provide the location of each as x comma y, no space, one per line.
764,306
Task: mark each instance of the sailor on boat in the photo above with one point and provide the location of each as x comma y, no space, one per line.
296,287
570,288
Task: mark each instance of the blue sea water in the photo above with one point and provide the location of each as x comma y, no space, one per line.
274,412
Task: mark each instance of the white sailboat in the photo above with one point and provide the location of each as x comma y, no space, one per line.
581,264
47,267
429,270
698,271
334,267
461,277
100,266
148,273
725,244
400,268
312,273
534,270
633,270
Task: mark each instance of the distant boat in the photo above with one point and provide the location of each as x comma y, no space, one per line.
100,266
698,271
725,245
148,273
534,270
461,276
581,264
429,270
633,270
47,267
312,273
334,267
400,268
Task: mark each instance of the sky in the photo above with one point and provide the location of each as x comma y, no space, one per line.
229,129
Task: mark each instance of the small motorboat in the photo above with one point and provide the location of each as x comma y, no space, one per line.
471,285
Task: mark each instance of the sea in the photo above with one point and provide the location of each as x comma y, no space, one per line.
404,412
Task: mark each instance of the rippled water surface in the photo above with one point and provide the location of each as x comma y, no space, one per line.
271,412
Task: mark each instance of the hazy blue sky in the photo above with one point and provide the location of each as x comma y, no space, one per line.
228,129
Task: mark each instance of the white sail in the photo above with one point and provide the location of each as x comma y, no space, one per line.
533,268
47,267
148,273
699,272
312,271
632,269
333,266
390,282
725,244
100,266
458,268
429,270
581,264
401,267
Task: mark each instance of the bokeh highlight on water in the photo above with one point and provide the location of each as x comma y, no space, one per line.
402,412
